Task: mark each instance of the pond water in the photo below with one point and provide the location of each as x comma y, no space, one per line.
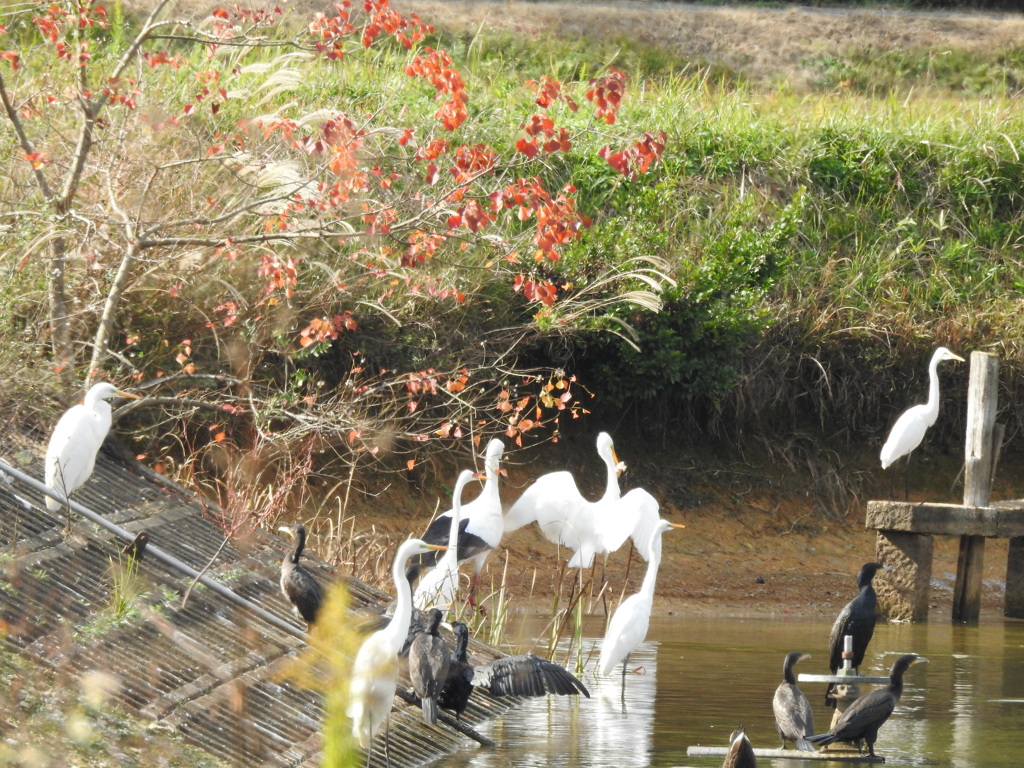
705,676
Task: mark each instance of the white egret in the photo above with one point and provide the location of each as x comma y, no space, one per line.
522,675
375,670
794,718
480,525
429,659
440,585
908,431
862,719
568,519
857,619
71,453
298,585
628,625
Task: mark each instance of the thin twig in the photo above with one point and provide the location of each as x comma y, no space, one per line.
203,570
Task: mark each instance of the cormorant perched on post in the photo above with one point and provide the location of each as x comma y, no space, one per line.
861,721
429,659
297,584
740,754
857,619
523,675
794,718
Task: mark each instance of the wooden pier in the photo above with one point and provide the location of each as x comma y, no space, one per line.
905,531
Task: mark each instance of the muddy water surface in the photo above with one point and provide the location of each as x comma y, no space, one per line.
703,677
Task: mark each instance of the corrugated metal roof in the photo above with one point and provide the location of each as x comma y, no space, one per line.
210,669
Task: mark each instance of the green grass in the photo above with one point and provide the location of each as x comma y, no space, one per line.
850,227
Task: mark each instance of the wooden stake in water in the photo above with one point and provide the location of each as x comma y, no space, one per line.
982,394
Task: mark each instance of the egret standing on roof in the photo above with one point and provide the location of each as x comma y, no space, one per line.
375,670
908,431
71,453
480,525
440,585
628,625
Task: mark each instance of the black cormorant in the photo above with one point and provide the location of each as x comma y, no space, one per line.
524,675
136,548
740,754
297,584
794,718
857,619
863,718
429,658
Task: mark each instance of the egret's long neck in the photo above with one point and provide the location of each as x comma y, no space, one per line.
611,489
653,563
453,532
933,391
490,480
399,626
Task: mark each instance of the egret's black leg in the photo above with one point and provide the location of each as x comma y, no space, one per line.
625,666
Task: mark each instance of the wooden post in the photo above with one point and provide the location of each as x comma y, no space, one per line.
982,394
1014,604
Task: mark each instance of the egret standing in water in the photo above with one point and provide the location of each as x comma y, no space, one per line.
857,619
429,659
480,525
71,453
298,585
628,625
440,585
863,718
375,670
908,431
794,718
567,518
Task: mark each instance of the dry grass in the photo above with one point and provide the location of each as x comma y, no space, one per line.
766,46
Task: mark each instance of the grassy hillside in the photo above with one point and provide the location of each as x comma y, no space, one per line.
894,138
838,194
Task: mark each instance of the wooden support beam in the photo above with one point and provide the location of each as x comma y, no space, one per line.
982,395
1014,601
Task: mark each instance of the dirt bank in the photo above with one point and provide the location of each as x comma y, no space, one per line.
757,540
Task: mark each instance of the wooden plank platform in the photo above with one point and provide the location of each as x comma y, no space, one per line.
837,756
843,679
